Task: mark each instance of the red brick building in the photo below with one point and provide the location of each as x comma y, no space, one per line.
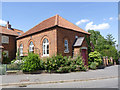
8,41
54,36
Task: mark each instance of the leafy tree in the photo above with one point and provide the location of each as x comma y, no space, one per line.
106,46
110,39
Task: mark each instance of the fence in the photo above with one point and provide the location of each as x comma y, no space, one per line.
3,69
108,61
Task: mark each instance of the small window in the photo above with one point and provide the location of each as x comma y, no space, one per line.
5,39
45,47
66,46
31,47
21,49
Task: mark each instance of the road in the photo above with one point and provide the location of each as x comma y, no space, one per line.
103,78
104,83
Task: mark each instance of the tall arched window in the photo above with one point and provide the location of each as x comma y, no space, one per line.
31,47
66,46
45,47
21,49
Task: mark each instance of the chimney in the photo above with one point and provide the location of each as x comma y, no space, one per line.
8,25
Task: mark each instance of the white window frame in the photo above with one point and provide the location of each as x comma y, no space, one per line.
76,37
31,47
66,45
21,49
45,49
5,39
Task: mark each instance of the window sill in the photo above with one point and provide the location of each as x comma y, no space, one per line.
66,51
45,55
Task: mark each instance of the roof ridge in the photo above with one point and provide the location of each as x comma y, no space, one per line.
74,24
56,19
37,25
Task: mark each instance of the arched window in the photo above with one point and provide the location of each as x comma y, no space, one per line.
31,47
21,49
45,47
66,46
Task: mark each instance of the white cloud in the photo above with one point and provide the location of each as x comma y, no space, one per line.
111,18
2,22
82,21
104,19
97,27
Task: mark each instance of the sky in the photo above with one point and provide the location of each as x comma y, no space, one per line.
99,16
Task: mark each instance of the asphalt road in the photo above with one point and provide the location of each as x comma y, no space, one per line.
102,78
104,83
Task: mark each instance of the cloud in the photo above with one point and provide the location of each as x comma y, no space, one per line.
102,26
111,18
104,19
82,21
2,22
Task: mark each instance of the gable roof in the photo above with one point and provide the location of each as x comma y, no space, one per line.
4,30
79,41
54,21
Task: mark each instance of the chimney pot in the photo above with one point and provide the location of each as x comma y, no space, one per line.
8,25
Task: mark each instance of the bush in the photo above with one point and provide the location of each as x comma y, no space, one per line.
6,60
95,57
93,65
65,69
14,66
31,63
78,64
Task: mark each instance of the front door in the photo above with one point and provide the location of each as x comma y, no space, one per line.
83,53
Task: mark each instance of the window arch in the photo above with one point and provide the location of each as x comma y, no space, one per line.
66,46
45,47
31,47
21,49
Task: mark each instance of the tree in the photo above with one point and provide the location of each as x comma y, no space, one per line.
110,39
106,46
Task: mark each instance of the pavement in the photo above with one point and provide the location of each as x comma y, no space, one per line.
110,72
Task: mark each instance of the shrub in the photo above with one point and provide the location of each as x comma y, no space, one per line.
95,57
78,64
6,60
93,65
31,63
14,66
65,69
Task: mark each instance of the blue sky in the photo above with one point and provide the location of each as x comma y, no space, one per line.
94,15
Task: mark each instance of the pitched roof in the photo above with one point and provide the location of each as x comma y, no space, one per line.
79,41
53,21
4,30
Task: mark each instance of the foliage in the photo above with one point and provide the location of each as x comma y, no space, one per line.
95,57
6,60
93,65
31,63
14,66
59,63
88,43
18,55
65,69
105,46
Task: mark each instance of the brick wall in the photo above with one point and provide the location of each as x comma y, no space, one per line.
11,47
38,40
63,34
